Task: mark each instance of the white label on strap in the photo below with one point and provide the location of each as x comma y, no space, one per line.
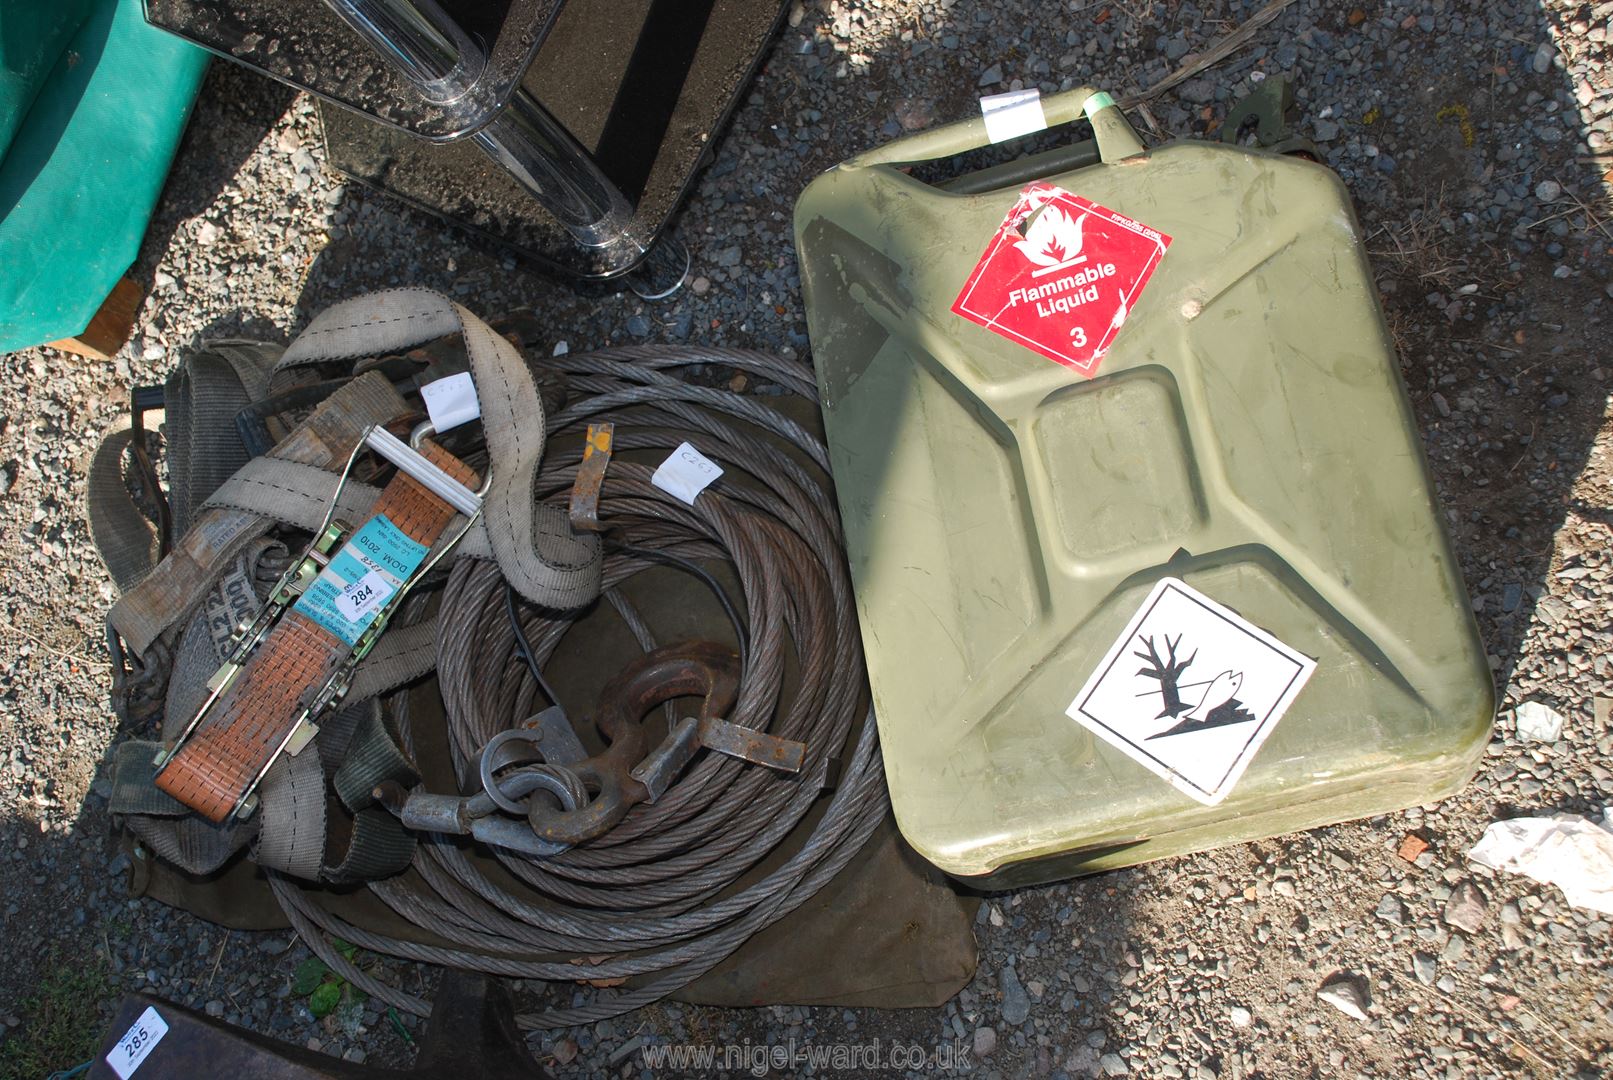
1010,115
451,401
686,473
136,1043
363,596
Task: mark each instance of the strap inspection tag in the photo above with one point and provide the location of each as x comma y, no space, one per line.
348,593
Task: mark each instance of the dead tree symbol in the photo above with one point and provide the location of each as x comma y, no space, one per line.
1168,672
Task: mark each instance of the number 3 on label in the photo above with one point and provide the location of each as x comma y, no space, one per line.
1078,336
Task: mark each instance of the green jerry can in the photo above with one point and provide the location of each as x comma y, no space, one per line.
1146,552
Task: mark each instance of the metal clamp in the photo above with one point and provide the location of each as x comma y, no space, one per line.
628,772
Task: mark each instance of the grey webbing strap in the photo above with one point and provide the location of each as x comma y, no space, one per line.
533,543
134,767
292,809
298,495
380,847
373,758
165,825
169,594
200,400
127,542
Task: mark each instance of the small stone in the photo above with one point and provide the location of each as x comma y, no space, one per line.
1241,1017
701,285
214,1008
1083,1061
561,348
1411,847
1016,1002
1423,966
1347,992
638,326
1391,910
207,233
1465,910
728,256
565,1051
1325,130
985,1042
355,1055
991,76
1112,1065
1548,191
627,1050
1197,91
1443,406
1544,55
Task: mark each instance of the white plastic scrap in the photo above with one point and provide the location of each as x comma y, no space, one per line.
1537,722
1573,853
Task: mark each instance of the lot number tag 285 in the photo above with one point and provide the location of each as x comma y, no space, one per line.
136,1043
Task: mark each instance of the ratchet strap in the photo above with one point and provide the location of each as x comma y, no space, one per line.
277,688
170,629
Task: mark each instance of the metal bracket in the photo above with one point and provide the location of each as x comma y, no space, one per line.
1271,106
591,477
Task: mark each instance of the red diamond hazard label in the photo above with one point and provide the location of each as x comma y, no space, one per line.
1061,275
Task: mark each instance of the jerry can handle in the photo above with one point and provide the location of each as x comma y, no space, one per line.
1116,138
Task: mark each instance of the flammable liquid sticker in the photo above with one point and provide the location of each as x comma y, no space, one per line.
351,592
1060,276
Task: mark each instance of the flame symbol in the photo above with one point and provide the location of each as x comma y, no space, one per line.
1053,238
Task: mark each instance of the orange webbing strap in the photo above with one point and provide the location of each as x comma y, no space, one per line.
249,723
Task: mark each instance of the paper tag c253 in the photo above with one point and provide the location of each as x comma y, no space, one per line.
686,473
136,1043
451,401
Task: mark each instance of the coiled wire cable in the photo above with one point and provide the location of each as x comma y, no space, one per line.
679,885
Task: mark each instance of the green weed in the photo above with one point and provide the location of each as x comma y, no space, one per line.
61,1020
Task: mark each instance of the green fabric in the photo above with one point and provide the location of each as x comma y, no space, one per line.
33,36
89,122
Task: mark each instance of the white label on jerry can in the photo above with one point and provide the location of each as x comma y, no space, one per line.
1190,690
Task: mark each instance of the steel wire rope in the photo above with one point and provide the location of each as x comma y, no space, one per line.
680,884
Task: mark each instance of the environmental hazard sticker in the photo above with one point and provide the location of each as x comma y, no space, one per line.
1190,690
1061,275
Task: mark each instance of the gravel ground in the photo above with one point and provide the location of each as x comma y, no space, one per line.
1474,138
